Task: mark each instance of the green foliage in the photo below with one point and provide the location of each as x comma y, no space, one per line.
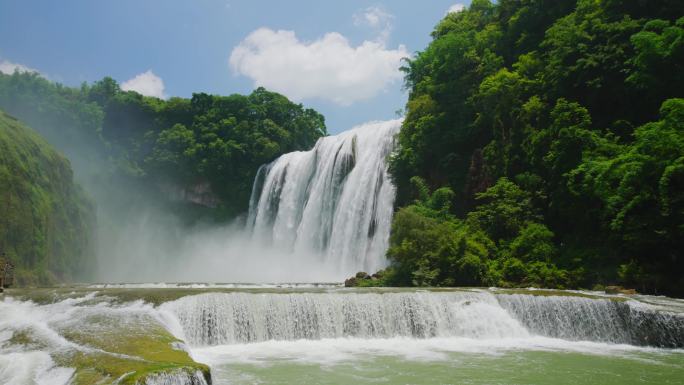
46,220
659,60
117,137
504,210
535,115
228,138
640,186
533,243
431,248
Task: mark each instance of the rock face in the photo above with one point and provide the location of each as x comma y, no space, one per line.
46,226
362,279
6,273
355,280
199,193
184,376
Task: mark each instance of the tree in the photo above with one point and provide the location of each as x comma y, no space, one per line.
640,188
503,211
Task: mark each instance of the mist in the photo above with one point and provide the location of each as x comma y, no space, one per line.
142,237
155,247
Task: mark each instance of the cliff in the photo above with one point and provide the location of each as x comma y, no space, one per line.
45,218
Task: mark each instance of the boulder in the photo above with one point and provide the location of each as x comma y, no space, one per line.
619,290
613,289
362,275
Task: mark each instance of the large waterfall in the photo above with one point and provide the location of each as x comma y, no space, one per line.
334,201
235,318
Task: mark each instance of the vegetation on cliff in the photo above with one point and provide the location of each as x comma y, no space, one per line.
46,221
543,145
116,138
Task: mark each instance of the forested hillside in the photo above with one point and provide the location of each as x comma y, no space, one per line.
46,221
543,145
202,151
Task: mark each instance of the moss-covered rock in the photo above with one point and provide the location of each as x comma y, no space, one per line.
128,350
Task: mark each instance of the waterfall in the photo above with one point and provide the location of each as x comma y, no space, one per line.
605,320
334,201
234,318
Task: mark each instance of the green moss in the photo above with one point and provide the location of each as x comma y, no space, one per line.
97,368
25,339
127,350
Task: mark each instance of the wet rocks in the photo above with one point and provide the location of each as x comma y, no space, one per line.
619,290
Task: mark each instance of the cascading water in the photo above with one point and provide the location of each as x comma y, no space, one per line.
604,320
334,201
235,318
238,330
213,319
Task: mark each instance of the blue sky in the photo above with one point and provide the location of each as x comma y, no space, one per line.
339,57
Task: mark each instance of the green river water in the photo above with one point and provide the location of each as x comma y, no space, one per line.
559,364
517,367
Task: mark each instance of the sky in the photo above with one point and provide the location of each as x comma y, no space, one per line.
341,58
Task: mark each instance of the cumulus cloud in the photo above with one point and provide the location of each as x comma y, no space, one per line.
328,68
458,7
8,68
376,18
146,83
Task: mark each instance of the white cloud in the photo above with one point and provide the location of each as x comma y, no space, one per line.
376,18
458,7
8,68
146,83
328,68
372,16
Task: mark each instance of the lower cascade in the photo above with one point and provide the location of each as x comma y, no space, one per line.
235,318
183,336
334,201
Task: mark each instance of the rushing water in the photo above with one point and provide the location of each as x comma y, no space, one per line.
237,318
338,336
334,201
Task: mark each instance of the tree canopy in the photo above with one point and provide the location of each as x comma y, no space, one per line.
556,127
207,139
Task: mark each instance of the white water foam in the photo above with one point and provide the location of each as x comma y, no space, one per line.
32,367
336,350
